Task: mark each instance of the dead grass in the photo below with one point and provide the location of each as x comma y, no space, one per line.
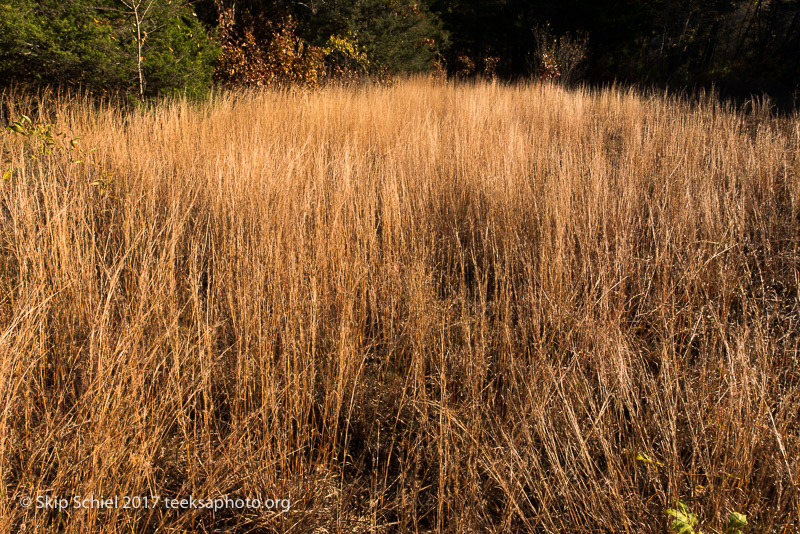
420,308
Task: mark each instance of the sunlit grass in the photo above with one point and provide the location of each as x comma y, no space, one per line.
427,307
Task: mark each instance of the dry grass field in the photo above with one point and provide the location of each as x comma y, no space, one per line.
419,308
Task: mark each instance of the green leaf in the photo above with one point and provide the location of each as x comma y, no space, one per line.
683,520
735,522
7,174
642,457
682,507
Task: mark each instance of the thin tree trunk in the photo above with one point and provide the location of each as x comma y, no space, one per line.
139,48
139,15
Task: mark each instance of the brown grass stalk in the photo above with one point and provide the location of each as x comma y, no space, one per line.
451,308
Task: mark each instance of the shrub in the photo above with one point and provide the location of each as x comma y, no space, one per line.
558,58
262,52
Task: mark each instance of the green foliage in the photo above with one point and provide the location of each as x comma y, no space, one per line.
745,47
179,54
92,44
735,523
47,41
683,521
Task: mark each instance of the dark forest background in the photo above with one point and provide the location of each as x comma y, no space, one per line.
739,47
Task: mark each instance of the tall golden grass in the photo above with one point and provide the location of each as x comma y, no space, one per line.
422,308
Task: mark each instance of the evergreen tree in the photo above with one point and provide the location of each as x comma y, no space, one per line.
94,44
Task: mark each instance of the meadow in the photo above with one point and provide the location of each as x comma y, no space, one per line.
429,307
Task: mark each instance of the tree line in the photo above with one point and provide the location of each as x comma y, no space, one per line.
149,47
